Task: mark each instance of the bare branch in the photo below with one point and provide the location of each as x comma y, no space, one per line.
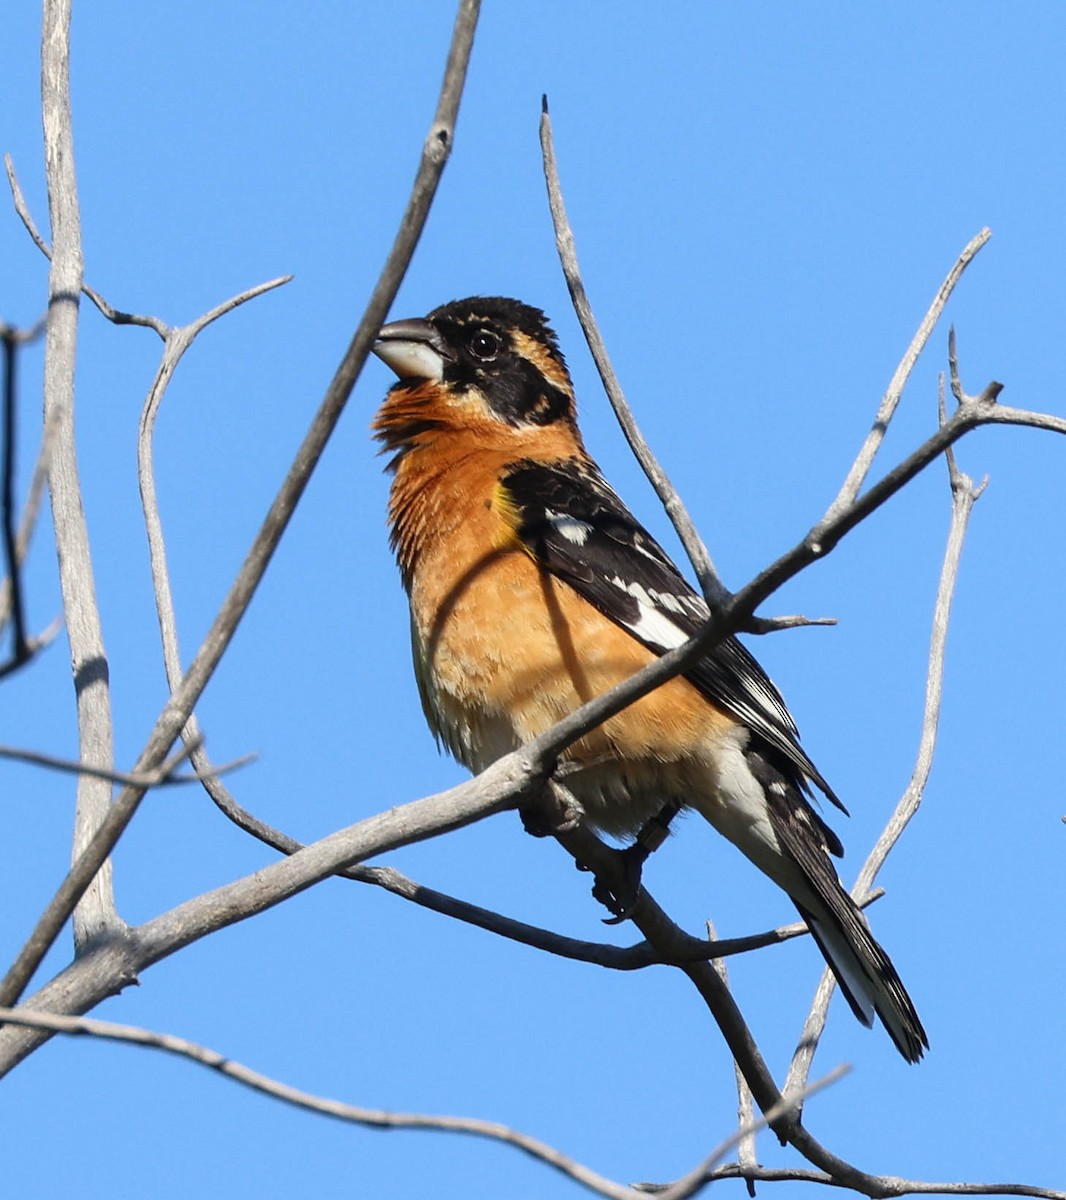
705,1173
374,1117
435,153
30,648
714,590
112,314
165,776
513,780
615,958
86,981
746,1127
95,916
963,497
12,339
661,933
685,1187
30,513
176,342
710,582
115,315
697,1179
889,1185
890,401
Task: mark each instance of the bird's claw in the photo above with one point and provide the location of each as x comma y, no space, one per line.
561,814
632,859
621,901
534,822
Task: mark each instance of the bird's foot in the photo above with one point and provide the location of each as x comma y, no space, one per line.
557,812
620,897
623,900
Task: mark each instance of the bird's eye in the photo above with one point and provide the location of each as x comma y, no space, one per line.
484,345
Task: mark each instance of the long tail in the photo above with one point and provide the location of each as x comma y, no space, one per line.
867,978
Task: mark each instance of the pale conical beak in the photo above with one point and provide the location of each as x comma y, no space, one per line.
413,349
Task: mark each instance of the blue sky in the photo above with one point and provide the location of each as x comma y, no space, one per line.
765,199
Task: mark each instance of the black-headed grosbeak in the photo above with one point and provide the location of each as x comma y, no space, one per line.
533,589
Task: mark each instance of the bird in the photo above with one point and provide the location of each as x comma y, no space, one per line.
533,588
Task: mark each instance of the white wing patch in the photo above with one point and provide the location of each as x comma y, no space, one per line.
575,531
653,624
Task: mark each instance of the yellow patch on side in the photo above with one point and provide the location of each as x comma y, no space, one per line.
510,521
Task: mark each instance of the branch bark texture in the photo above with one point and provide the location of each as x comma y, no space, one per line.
95,916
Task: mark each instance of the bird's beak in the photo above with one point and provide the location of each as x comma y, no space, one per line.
413,349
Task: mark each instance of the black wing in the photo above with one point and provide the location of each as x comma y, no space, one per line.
571,520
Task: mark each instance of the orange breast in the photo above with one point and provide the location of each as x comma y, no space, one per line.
503,650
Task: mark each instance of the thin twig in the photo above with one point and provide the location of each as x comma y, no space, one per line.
698,1178
165,776
23,211
963,497
176,342
30,513
615,958
435,153
31,648
890,1185
707,1171
9,337
890,401
375,1118
714,590
745,1141
710,582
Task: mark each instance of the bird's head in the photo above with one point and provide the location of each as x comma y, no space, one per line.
486,362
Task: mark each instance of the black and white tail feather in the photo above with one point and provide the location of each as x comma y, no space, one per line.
574,524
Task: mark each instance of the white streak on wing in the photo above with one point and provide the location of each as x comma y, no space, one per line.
652,624
655,627
756,703
670,602
642,548
765,703
569,527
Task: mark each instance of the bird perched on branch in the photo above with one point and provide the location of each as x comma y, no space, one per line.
534,589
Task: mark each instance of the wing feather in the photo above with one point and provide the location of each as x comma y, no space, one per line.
569,518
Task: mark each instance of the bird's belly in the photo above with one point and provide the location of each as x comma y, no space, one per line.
489,687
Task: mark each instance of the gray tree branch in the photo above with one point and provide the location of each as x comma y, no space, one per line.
107,965
860,469
95,916
435,153
16,541
337,1109
963,497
